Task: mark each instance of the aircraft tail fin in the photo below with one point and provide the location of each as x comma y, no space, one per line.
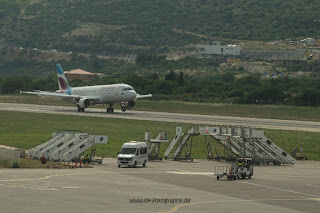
62,80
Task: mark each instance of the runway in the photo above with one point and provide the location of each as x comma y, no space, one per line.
168,117
167,186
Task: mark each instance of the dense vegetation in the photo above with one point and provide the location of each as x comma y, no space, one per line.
124,27
211,86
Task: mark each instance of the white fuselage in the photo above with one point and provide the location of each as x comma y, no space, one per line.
106,94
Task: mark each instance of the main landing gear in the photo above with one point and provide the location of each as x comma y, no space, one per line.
80,109
110,109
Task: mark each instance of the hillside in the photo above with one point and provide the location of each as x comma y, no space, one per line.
108,27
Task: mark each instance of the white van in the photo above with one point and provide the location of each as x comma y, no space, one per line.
133,153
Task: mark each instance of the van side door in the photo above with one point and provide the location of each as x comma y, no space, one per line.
138,156
144,153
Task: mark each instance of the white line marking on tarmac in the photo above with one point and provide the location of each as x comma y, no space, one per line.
192,173
316,199
186,172
181,170
19,186
270,187
75,174
312,185
27,109
71,187
285,190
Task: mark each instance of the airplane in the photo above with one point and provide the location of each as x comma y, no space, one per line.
85,96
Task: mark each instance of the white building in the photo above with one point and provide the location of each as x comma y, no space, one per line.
216,49
310,40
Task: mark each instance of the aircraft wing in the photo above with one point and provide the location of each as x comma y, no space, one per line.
143,96
59,95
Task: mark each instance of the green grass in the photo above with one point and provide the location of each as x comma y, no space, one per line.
31,163
253,111
27,130
4,164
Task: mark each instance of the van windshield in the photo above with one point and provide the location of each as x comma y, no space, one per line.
128,151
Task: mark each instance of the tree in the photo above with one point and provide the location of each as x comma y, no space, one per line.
181,80
310,97
172,76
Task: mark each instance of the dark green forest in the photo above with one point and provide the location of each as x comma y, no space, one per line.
108,27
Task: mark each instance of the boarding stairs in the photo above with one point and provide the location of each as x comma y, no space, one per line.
248,143
46,151
34,152
56,154
180,143
78,149
66,146
154,144
176,138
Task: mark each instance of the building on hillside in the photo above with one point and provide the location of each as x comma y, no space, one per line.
217,51
81,75
278,57
309,40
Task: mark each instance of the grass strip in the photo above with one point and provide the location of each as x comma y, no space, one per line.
27,130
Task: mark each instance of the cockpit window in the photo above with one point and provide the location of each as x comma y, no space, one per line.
126,88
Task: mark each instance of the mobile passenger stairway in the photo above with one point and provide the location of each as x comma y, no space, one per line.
154,144
66,146
237,141
181,145
246,142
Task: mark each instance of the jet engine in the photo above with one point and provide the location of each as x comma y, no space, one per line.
84,103
130,104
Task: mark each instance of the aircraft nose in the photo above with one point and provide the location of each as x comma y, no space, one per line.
133,94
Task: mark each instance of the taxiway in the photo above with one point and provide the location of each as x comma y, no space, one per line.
168,117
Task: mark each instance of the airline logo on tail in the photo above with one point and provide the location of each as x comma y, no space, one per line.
64,86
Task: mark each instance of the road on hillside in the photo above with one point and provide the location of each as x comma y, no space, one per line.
168,117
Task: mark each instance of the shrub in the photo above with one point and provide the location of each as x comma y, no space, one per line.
4,164
15,165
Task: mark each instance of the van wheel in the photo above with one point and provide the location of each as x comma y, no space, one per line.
135,164
145,163
118,166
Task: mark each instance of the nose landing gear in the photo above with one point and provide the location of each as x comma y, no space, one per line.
123,106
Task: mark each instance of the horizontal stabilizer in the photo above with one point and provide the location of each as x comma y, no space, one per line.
59,95
53,94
